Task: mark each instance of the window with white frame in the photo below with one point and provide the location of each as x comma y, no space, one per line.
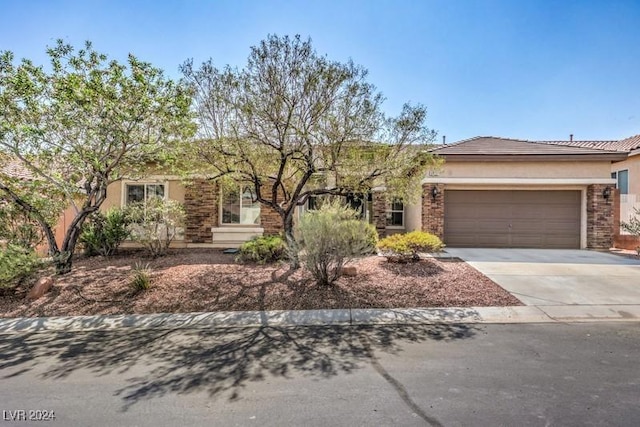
141,192
395,214
622,178
240,207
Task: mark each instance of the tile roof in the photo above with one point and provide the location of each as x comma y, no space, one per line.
15,169
625,145
491,145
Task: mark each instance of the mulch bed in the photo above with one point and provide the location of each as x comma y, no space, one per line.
208,280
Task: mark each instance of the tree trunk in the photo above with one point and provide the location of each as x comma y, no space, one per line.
64,259
292,245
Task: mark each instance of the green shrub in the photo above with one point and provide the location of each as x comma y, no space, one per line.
156,223
16,264
633,226
104,232
265,249
17,228
406,247
141,277
330,237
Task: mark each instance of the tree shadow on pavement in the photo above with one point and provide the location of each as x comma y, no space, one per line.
218,361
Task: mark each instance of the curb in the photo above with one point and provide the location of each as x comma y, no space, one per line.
344,317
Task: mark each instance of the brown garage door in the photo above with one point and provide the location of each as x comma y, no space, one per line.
512,219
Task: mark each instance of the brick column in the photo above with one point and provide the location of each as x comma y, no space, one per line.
201,208
600,217
379,220
270,220
433,210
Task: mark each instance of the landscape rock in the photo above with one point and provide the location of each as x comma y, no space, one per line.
350,271
41,287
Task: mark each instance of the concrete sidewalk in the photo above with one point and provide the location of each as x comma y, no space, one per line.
516,314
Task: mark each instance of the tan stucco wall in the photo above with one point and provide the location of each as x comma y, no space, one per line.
632,164
114,196
526,170
413,216
176,191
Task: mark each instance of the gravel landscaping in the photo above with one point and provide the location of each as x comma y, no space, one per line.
208,280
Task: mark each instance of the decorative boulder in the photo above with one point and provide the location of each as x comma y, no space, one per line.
41,287
349,271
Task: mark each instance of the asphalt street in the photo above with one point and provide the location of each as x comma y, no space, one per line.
439,375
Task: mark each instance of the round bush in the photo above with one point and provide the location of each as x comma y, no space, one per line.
407,247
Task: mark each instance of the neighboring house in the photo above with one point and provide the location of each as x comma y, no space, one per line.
626,172
16,169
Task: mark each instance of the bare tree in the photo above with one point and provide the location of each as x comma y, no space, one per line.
294,124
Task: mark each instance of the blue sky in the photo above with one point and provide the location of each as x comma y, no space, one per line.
531,69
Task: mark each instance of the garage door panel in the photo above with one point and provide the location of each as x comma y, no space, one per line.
478,240
563,241
538,227
492,241
468,211
512,218
527,240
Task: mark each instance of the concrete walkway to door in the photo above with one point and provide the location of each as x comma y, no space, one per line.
557,277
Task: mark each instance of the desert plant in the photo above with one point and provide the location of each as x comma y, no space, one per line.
156,223
633,226
140,277
264,249
104,232
16,264
406,247
330,237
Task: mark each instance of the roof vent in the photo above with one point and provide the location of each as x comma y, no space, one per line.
571,138
444,139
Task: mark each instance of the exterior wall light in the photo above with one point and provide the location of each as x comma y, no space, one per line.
606,193
434,192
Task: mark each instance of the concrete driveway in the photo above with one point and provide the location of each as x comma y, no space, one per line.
547,277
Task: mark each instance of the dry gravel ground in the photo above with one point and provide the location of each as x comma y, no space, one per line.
208,280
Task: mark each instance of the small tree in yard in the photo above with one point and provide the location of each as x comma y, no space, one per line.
79,127
156,223
293,124
332,236
633,226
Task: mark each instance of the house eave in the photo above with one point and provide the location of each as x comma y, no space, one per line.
596,157
518,181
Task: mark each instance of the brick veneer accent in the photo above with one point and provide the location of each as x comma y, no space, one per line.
433,210
379,212
201,208
270,220
600,217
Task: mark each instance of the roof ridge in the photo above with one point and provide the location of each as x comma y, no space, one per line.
480,137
